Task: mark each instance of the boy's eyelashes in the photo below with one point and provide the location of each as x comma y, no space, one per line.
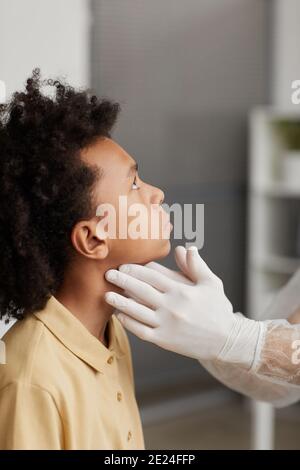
134,184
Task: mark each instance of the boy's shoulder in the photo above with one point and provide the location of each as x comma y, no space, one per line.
34,354
28,353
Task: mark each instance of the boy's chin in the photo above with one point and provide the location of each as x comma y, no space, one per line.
165,249
143,253
161,251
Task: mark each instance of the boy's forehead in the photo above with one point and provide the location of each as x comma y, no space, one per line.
107,154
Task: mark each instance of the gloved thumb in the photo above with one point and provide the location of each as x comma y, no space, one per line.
180,258
192,265
197,268
187,261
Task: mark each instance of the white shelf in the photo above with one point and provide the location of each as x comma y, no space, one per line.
276,264
267,151
274,209
276,189
273,230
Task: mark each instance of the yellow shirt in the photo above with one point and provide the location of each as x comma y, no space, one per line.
61,388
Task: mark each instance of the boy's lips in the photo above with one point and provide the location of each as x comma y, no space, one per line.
168,225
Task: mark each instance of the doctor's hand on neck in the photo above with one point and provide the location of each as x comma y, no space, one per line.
185,312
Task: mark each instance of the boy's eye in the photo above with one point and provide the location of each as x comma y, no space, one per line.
134,184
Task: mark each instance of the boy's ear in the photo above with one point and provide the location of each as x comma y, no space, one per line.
87,240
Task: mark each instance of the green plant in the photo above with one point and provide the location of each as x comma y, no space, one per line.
289,131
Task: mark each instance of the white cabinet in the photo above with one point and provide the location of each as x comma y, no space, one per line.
273,229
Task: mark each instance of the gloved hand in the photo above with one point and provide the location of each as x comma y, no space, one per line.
188,314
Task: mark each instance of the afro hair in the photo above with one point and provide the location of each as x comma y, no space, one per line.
45,187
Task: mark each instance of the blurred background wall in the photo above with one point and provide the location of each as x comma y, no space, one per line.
54,36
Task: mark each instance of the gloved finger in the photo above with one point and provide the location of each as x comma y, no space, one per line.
175,275
182,255
141,331
135,297
153,278
180,258
133,309
193,266
125,293
135,287
198,269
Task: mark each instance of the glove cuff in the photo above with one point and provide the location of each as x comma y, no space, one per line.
243,344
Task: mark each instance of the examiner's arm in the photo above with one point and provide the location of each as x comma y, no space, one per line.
274,381
191,315
263,384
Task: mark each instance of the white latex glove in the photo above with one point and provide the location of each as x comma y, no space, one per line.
187,314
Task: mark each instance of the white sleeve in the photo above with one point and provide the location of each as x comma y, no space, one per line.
274,375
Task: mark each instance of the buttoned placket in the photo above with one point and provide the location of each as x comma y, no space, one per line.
111,368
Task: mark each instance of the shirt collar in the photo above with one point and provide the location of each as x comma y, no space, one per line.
76,337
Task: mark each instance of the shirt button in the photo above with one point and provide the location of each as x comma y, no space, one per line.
129,435
110,360
119,396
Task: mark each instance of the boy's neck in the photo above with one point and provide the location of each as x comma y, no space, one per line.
82,292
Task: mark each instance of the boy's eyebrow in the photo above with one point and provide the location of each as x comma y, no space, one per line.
133,169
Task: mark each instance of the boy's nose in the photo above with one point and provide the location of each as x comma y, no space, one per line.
158,196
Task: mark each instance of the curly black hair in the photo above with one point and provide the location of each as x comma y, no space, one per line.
45,187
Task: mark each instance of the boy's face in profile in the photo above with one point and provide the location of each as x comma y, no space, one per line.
120,178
